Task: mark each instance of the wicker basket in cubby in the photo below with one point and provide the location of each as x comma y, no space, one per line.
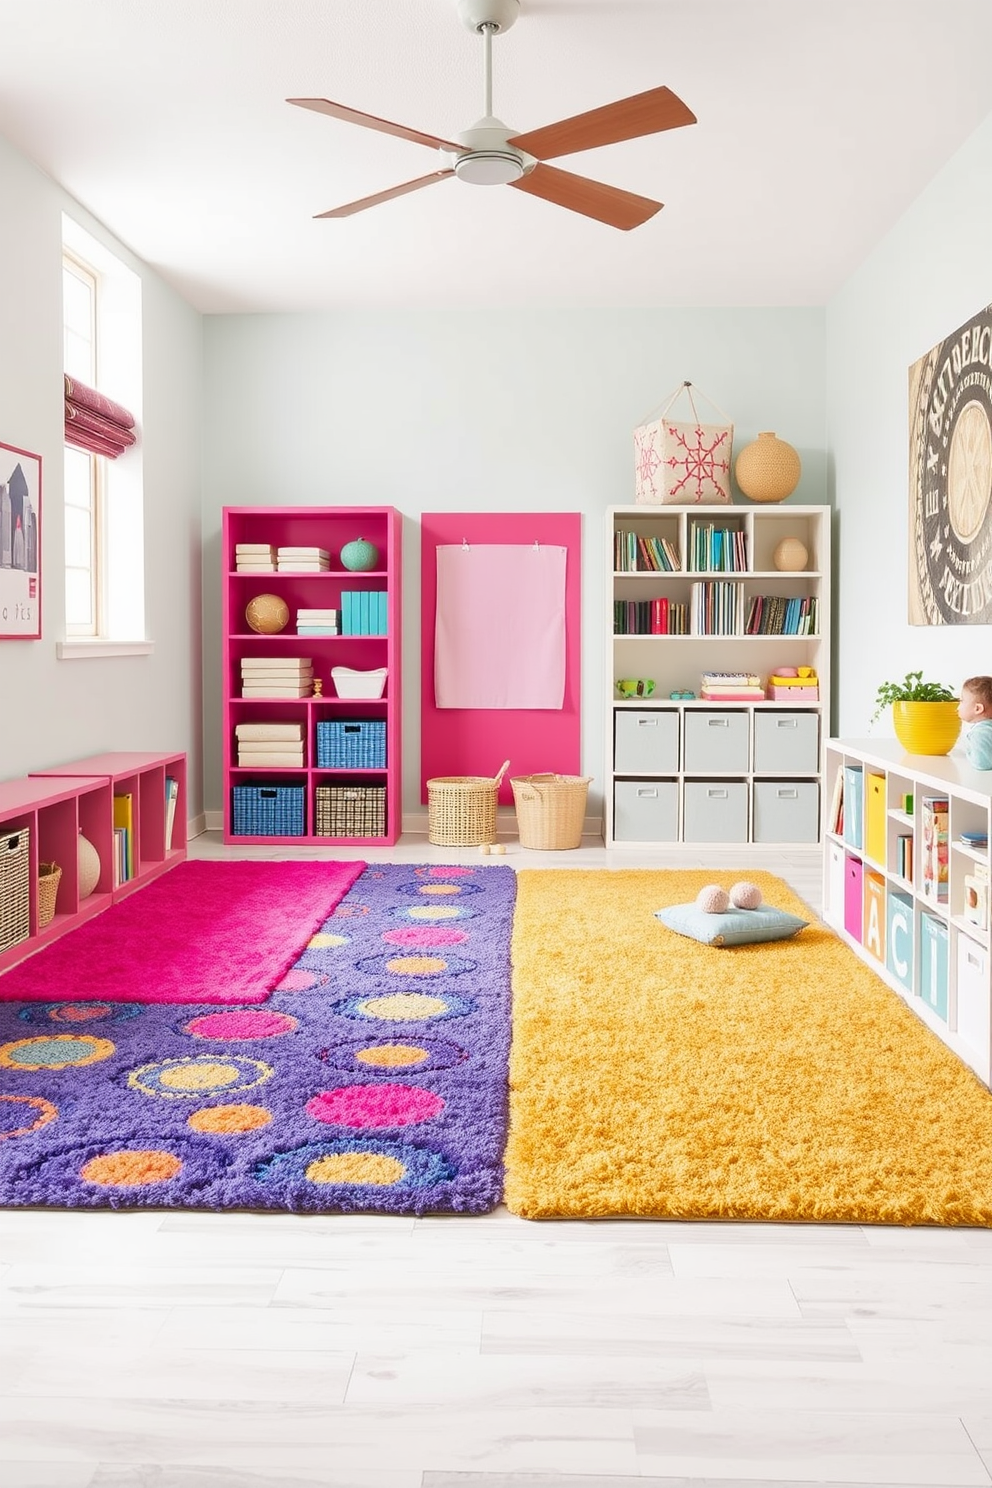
15,888
49,875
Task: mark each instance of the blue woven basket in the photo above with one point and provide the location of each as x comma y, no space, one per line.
268,810
352,744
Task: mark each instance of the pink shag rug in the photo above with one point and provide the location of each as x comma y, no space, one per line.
203,932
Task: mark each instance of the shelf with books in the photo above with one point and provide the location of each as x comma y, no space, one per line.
280,687
906,886
726,608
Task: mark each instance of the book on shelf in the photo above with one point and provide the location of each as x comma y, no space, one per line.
318,617
276,663
302,550
272,759
255,732
301,566
124,823
317,630
171,797
933,816
266,550
835,820
731,679
252,567
277,690
252,674
733,694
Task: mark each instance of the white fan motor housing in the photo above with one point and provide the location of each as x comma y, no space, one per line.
500,14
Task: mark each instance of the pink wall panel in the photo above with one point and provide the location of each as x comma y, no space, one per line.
456,741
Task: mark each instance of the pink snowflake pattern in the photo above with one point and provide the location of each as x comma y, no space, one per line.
699,463
647,458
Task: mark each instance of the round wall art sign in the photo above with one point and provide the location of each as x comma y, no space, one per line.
951,479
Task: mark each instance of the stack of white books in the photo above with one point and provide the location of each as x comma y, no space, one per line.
317,622
254,558
303,560
270,745
272,676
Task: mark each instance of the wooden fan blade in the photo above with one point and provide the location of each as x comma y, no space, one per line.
369,121
644,113
381,196
606,203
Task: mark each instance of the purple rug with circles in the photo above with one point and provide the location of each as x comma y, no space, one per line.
374,1079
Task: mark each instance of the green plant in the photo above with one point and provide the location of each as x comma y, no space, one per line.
912,689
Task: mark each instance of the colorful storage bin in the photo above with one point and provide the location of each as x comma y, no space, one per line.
268,810
15,888
351,810
352,744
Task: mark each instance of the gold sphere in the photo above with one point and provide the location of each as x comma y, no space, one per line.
790,556
267,614
768,470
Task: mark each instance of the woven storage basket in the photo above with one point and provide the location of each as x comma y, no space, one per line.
15,888
461,809
550,809
49,875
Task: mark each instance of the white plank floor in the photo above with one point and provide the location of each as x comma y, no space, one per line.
186,1350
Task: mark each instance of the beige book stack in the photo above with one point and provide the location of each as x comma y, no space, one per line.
255,558
270,745
276,677
302,560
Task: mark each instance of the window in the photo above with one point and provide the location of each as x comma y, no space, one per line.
104,520
82,470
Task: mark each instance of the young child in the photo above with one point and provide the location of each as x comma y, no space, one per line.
975,710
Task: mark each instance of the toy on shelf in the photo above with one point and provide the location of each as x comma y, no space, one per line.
631,687
794,685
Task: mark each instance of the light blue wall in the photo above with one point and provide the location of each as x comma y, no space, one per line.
487,411
930,274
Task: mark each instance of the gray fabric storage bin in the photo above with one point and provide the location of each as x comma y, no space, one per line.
716,742
646,741
786,811
715,811
786,743
646,811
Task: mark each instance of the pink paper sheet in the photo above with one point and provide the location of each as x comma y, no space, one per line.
500,629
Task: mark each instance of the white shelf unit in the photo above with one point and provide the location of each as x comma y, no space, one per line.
693,772
933,951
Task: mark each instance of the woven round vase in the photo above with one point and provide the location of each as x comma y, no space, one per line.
359,556
267,614
926,728
768,470
790,555
89,867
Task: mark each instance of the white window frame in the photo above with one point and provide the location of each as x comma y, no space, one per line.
73,265
118,372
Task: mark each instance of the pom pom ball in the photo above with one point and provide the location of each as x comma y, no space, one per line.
713,899
745,895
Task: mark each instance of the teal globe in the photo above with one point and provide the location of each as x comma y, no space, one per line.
359,556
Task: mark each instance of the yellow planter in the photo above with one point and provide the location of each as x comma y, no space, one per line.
926,728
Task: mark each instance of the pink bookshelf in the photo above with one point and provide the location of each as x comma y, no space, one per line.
141,776
330,528
53,806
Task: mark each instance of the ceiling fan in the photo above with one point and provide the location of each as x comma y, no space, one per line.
491,154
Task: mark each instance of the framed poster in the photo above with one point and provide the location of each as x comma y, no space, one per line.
20,544
950,479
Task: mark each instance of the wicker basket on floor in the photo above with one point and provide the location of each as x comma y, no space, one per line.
461,809
49,875
550,809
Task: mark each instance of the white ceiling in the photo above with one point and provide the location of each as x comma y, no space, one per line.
819,122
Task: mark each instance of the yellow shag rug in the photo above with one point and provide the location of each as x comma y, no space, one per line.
651,1075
